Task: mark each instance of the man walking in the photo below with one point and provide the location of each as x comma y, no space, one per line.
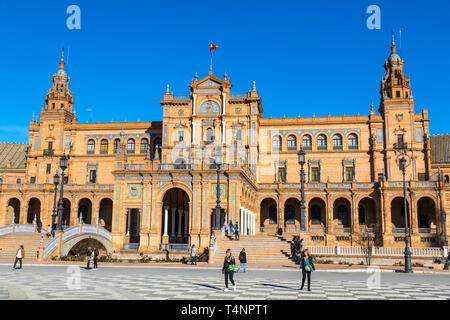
19,256
236,231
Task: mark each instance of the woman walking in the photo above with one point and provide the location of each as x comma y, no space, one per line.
242,259
228,270
88,257
307,266
94,258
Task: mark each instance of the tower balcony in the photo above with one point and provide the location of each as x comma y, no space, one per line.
401,145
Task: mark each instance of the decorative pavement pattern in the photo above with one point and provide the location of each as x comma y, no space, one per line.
95,285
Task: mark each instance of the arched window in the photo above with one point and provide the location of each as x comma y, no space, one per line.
292,142
104,146
144,145
180,163
289,214
91,146
130,146
322,142
116,145
273,214
343,215
316,215
446,179
352,141
276,143
337,142
361,215
306,142
209,134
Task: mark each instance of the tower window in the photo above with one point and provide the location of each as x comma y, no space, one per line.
292,142
130,146
306,142
116,145
397,94
337,142
50,145
144,145
92,176
276,143
353,141
104,146
49,168
53,105
91,146
322,142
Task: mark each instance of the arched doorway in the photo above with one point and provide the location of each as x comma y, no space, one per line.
426,214
398,213
105,213
292,213
66,213
13,209
34,210
133,225
268,213
175,223
342,214
81,247
367,217
85,210
317,215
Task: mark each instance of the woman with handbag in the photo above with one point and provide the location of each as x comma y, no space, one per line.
228,269
307,265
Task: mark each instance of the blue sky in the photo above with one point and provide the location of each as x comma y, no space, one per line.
305,56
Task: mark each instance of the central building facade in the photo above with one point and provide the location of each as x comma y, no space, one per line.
154,183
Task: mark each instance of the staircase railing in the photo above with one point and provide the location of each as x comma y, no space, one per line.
20,228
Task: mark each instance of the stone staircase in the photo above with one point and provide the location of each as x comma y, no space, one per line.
30,241
259,248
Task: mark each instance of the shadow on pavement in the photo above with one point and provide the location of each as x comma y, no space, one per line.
207,286
278,286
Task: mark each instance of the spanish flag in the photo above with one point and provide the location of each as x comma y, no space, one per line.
212,46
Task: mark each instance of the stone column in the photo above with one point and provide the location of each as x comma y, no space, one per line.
172,233
180,215
186,215
166,220
128,221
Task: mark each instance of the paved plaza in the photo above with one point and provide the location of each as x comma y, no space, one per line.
162,283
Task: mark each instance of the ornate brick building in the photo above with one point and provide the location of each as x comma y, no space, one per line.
153,183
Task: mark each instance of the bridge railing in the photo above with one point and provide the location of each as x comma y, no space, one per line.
20,228
431,252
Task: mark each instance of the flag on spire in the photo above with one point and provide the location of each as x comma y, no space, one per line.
212,46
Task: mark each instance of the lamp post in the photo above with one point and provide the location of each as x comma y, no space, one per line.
301,161
408,269
63,166
218,160
55,182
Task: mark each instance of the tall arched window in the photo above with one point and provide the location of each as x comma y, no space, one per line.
337,142
343,215
209,134
289,214
91,146
104,146
130,146
276,143
144,145
316,215
306,142
352,141
361,215
116,145
322,142
273,214
292,142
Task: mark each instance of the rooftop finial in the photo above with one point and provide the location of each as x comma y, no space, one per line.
167,89
61,64
254,86
196,76
225,75
371,105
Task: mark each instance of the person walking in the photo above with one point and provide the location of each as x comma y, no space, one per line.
231,230
94,258
307,266
228,269
193,254
88,257
242,260
226,228
20,254
236,231
297,250
292,247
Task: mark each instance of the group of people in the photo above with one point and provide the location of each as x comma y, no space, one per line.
92,255
297,246
231,230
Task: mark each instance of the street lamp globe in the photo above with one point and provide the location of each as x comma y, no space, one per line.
63,162
218,157
301,157
402,163
56,179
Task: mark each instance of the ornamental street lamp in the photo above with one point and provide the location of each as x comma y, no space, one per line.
444,221
63,165
301,161
218,161
55,182
408,269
